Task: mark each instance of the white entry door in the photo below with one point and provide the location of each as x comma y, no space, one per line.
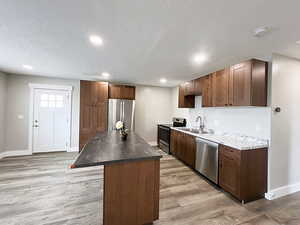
50,120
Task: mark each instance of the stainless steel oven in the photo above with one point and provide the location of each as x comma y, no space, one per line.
164,138
164,133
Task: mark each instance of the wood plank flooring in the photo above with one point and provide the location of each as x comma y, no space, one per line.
42,190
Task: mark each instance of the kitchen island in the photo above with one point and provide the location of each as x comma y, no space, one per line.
131,177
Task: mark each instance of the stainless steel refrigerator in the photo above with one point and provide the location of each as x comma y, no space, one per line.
121,110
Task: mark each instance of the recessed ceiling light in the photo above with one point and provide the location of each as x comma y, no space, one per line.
163,80
28,67
105,74
96,40
200,58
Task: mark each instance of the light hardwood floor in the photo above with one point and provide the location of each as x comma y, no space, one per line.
41,190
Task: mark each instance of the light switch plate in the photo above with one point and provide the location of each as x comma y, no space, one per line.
20,117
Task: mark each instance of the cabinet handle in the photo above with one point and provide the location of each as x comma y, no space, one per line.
226,104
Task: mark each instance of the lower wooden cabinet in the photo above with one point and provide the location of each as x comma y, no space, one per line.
183,146
243,173
229,170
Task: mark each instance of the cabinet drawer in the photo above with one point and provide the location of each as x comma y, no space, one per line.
230,153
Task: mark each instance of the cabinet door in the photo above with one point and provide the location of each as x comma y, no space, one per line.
93,110
128,92
220,80
190,150
173,142
206,91
180,145
185,101
259,83
229,172
189,88
121,92
115,91
197,87
100,116
240,84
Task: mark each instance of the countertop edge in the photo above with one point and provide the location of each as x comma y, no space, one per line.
73,166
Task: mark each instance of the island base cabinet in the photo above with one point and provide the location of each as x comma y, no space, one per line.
243,173
131,193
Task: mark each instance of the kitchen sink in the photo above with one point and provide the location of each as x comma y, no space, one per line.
192,130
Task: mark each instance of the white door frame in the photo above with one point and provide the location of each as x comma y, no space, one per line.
33,87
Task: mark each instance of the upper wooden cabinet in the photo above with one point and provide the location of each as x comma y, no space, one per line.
121,92
244,84
220,82
198,87
185,101
206,84
193,87
189,88
248,83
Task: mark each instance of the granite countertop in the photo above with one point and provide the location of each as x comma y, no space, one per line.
107,148
239,142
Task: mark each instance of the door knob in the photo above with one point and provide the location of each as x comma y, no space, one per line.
277,109
36,123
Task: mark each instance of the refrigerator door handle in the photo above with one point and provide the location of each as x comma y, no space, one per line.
123,111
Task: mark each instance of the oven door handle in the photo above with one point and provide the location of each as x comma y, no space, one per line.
164,128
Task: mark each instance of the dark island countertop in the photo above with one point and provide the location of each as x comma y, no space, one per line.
107,147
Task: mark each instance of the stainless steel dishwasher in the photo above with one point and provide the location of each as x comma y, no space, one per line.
207,159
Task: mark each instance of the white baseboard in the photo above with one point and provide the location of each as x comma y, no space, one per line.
73,149
152,143
282,191
15,153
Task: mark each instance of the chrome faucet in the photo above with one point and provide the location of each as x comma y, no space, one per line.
201,126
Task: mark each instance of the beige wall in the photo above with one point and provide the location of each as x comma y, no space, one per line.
2,109
16,137
153,106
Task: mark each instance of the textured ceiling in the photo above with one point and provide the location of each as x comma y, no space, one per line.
143,40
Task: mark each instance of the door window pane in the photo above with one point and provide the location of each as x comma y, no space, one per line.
44,97
44,104
51,104
51,101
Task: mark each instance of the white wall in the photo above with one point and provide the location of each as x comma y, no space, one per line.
3,90
252,121
284,155
153,106
16,137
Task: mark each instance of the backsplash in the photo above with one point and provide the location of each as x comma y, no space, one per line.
251,121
